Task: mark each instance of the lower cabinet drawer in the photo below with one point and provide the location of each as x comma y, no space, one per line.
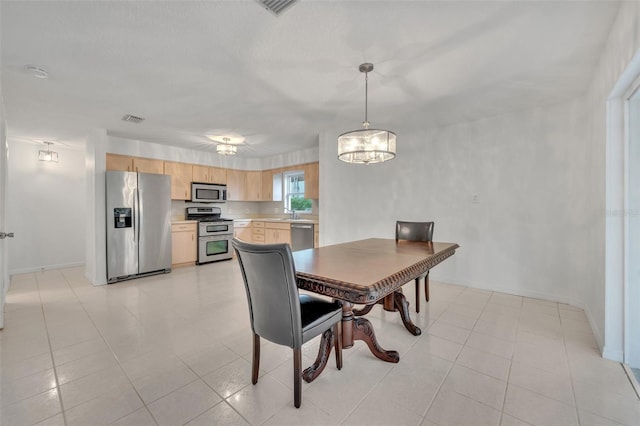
257,231
258,238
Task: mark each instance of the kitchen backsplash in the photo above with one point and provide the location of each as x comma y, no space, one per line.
239,209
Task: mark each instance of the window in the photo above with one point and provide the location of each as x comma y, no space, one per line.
294,193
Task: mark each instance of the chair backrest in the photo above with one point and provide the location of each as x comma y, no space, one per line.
270,281
414,231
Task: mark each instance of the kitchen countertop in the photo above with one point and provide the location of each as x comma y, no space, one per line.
281,220
257,219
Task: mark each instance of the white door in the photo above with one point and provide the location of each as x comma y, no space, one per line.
4,277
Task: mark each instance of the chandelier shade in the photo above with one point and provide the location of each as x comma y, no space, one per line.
366,146
226,148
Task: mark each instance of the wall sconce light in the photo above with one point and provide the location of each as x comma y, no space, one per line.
48,155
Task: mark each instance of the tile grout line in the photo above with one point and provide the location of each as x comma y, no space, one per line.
573,391
53,362
506,389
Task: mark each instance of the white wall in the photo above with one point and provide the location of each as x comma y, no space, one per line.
45,208
525,233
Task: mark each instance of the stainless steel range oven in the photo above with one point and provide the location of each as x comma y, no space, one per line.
214,234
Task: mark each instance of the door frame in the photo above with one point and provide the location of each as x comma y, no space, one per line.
4,161
631,331
617,333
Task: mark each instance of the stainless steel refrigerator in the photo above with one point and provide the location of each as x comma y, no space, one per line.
138,224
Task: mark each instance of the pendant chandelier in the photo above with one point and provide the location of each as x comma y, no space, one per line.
48,155
366,146
226,148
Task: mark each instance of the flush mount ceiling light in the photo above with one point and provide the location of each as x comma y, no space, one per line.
366,146
48,155
226,148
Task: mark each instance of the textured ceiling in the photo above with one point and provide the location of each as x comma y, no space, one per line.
193,69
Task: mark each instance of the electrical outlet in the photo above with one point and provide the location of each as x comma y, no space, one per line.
475,199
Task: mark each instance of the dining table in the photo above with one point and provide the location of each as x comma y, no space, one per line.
365,272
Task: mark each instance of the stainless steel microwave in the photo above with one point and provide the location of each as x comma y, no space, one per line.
208,192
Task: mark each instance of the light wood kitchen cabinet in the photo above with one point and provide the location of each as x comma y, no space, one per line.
267,185
312,181
242,230
181,178
148,165
218,175
272,185
200,173
209,174
257,232
275,233
235,185
253,186
122,163
244,185
316,235
126,163
184,243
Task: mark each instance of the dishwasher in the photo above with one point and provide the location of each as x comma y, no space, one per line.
301,236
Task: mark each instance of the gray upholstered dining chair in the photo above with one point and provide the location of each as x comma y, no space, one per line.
278,312
416,231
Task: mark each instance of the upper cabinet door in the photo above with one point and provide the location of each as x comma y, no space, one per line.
148,165
209,174
267,185
201,173
217,175
253,186
121,163
312,181
235,185
181,178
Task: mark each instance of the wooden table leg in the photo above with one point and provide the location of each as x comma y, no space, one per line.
363,330
326,343
402,306
352,329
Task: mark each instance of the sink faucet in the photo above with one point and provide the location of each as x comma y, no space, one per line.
292,213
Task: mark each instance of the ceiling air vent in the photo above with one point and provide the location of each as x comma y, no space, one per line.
132,118
276,6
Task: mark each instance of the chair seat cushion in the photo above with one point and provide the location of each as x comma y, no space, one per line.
317,315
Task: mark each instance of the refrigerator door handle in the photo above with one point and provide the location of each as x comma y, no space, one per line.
137,217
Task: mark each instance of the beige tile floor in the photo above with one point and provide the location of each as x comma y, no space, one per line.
175,349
